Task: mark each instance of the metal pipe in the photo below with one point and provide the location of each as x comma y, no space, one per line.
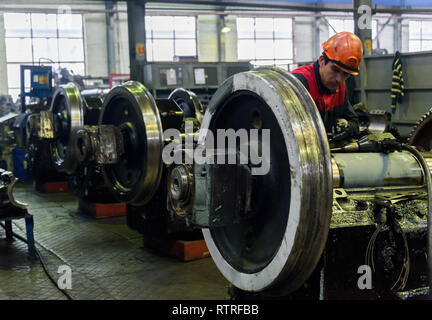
194,11
364,32
397,32
220,44
263,12
362,170
316,31
110,38
273,5
137,39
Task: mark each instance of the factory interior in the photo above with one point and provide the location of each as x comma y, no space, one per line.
238,151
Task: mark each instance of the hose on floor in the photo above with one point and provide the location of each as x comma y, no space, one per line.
42,261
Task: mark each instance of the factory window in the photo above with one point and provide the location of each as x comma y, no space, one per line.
170,37
420,35
265,41
33,38
339,25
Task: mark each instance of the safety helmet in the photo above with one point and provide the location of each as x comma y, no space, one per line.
345,50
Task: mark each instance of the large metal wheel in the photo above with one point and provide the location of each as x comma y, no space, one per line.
131,108
188,102
278,247
67,110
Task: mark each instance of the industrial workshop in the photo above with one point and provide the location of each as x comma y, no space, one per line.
221,150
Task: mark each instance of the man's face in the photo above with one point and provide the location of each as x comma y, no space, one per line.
331,76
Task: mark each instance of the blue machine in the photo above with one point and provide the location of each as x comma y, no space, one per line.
41,83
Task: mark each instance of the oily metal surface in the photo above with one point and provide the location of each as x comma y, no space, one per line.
106,258
310,177
67,109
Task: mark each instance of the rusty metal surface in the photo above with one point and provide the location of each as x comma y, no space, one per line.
106,257
46,125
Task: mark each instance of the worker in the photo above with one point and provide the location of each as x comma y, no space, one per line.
325,81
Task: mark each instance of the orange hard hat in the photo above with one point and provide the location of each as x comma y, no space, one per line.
345,50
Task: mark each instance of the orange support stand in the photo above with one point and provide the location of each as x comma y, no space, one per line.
181,249
103,210
52,187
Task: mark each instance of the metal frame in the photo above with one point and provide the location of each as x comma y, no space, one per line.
376,86
29,223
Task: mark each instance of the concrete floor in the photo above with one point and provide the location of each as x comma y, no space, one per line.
107,259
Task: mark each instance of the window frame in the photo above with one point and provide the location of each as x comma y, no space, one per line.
331,32
420,39
255,38
172,39
32,37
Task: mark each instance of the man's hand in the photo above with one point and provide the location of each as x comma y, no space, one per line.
341,130
341,126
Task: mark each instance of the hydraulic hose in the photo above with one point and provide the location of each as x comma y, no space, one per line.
428,180
42,261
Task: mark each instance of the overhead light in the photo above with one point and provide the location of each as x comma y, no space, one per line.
225,28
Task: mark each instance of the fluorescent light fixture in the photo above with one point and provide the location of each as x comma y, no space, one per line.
225,28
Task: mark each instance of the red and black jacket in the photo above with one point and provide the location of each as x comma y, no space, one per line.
332,104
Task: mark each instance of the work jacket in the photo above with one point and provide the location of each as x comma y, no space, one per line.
332,104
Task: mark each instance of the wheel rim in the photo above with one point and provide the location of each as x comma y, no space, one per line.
66,107
188,102
132,109
295,246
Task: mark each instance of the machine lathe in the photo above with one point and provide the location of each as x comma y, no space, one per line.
301,224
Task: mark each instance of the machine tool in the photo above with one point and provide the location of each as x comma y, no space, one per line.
305,221
310,225
70,111
127,145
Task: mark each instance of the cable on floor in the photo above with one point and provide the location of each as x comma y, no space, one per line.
42,261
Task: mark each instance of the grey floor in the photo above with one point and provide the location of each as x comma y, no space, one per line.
107,259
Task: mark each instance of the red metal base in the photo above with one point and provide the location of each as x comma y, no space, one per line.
52,187
183,250
103,210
